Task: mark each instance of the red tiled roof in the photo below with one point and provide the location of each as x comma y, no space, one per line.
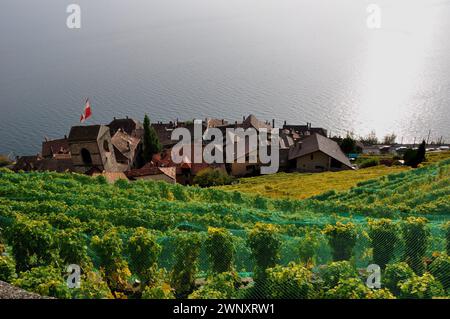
149,170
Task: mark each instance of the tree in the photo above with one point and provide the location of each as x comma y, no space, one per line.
421,152
348,145
389,139
212,177
370,139
151,142
414,157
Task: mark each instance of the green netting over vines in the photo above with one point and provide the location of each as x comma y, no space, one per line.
91,207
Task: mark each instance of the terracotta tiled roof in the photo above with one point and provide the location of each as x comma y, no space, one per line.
152,170
124,145
59,146
129,126
36,163
252,121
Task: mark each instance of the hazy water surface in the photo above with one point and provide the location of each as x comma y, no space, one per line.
295,60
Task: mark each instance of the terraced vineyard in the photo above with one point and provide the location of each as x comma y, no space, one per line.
168,236
305,185
422,191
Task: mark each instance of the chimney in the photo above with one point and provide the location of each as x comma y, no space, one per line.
127,117
65,136
273,123
223,121
285,122
114,118
243,118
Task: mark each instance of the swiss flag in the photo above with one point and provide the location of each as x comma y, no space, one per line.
87,112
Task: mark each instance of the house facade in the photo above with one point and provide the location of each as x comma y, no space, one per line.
91,147
318,153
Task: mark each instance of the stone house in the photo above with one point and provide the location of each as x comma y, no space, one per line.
91,147
151,172
318,153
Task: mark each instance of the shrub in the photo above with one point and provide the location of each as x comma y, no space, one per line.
159,288
309,245
72,247
440,269
351,288
414,157
218,286
92,287
220,248
264,242
143,251
447,235
416,236
332,273
212,177
109,250
379,294
370,163
7,269
395,274
32,244
4,161
384,238
291,282
424,287
342,239
185,268
44,280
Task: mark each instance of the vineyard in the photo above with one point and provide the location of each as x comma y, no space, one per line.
305,185
156,240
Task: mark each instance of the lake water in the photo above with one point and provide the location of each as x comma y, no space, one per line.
296,60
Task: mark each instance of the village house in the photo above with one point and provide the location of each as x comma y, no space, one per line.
115,151
151,172
57,149
91,147
318,153
132,127
305,130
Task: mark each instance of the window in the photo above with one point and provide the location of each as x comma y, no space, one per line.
86,156
106,146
